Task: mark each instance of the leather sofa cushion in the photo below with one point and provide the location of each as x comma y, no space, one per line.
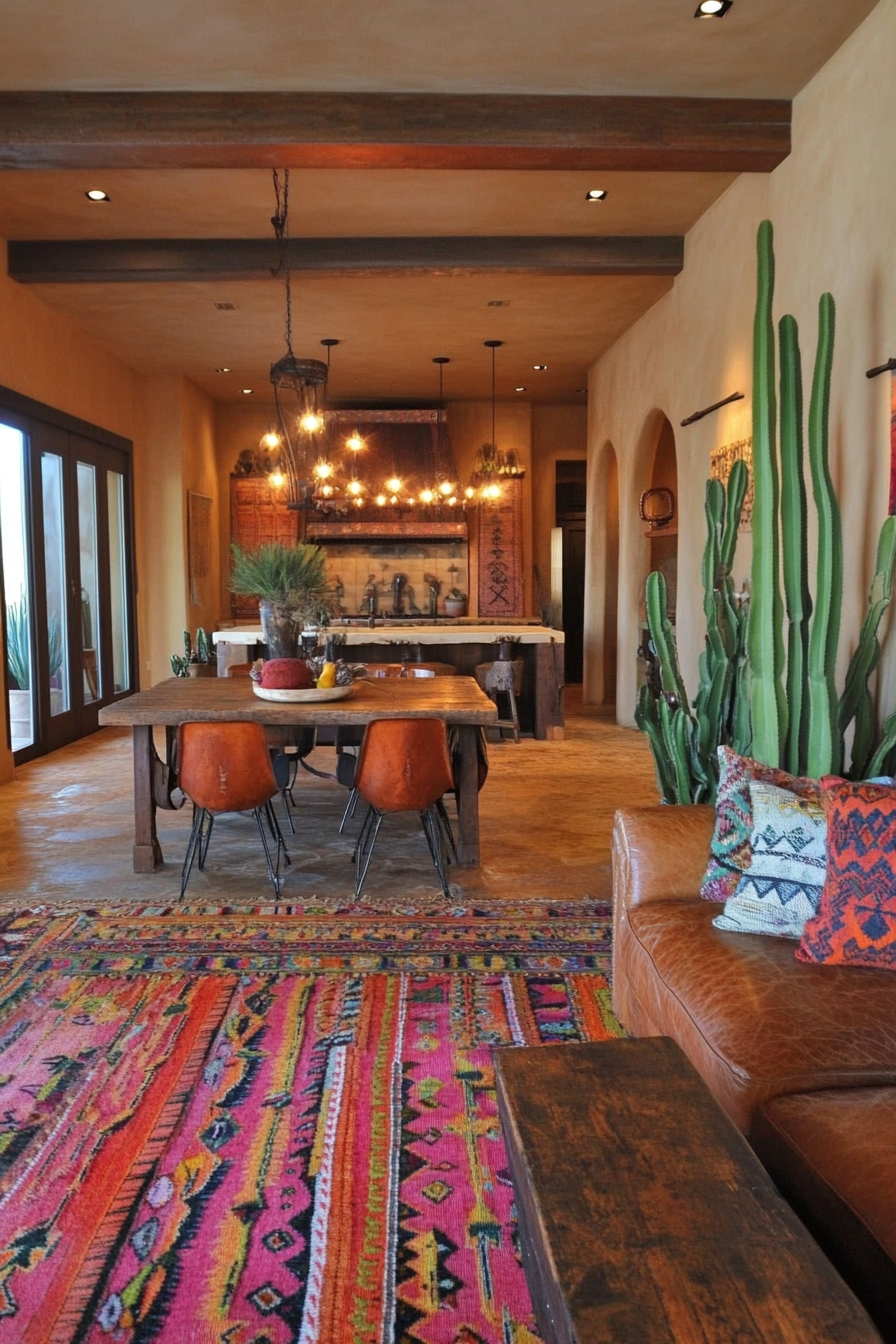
832,1154
753,1020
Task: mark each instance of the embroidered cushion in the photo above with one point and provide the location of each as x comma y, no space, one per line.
730,850
856,918
782,885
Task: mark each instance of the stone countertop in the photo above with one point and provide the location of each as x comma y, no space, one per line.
424,632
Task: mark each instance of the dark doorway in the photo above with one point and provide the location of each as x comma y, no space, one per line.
570,509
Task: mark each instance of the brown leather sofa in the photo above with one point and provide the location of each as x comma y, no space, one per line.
802,1057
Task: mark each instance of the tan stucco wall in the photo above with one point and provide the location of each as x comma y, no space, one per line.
47,356
833,204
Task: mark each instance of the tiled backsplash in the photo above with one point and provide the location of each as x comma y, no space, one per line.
352,567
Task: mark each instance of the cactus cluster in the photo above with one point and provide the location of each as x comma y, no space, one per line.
780,705
202,653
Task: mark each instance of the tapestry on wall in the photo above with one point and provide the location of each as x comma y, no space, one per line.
258,516
500,555
721,460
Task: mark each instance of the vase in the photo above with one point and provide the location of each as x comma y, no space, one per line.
280,630
455,606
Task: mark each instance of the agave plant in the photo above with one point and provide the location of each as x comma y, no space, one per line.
293,578
18,643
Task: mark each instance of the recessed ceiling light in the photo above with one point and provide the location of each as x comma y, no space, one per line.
540,367
226,307
598,194
223,369
712,9
519,389
582,390
246,391
97,195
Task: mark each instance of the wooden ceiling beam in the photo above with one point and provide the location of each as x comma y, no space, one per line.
126,261
391,130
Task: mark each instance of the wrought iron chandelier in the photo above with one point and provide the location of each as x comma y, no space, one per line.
299,384
493,467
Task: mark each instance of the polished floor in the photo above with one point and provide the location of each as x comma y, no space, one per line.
66,829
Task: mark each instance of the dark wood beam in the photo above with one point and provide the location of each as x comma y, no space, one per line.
125,261
391,130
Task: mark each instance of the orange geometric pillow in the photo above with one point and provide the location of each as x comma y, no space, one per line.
856,919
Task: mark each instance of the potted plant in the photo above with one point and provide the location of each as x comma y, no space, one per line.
195,662
291,585
18,664
455,602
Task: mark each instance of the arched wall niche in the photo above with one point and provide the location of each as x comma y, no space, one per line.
656,468
602,581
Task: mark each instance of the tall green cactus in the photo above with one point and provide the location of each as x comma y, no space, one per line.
764,640
741,698
825,748
685,744
794,547
855,702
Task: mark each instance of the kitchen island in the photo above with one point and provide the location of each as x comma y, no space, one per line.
465,642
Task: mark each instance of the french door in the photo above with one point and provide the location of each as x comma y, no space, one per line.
67,580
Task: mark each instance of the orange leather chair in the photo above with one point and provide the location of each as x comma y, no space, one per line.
226,767
404,766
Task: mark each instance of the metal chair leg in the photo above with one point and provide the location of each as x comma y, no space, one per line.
365,847
192,842
433,831
273,825
350,808
446,829
205,835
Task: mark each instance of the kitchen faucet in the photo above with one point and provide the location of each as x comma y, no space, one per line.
398,583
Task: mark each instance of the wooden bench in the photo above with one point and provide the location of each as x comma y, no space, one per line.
645,1217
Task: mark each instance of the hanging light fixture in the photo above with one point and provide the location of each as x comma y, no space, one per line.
299,384
493,466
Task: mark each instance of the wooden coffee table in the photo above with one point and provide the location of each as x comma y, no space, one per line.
645,1217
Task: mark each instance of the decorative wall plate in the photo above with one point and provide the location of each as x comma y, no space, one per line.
312,694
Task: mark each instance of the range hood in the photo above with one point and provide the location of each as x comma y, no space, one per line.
412,445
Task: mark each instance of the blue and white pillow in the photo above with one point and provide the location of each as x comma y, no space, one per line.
781,888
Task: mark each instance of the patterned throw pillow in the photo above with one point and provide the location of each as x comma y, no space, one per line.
729,854
856,919
782,885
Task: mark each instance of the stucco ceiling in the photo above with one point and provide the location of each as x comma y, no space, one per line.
388,329
761,49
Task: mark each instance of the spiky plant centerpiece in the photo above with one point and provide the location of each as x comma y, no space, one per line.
291,585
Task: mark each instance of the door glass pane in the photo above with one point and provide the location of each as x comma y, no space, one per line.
54,563
90,607
117,580
13,530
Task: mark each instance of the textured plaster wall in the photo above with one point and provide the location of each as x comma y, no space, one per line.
833,204
47,356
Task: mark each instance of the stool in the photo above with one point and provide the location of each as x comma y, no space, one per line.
503,682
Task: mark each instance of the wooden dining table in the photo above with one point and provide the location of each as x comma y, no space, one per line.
457,700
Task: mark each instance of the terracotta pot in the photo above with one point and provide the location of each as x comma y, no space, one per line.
279,629
202,670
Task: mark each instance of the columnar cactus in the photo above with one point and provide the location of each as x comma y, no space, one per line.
742,699
764,640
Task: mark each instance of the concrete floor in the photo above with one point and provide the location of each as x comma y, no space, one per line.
66,827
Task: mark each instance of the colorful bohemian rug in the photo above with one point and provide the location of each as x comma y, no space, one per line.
264,1127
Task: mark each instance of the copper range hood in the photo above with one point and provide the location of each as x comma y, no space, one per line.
412,445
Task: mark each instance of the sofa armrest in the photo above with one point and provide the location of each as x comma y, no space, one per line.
660,853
